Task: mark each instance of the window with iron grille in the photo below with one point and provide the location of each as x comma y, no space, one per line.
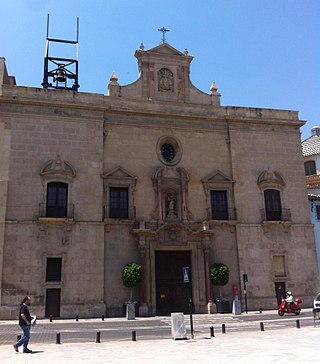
310,168
219,205
272,205
57,199
118,203
54,269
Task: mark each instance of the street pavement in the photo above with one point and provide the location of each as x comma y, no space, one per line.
243,342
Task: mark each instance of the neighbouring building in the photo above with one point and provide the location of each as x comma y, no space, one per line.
155,172
311,154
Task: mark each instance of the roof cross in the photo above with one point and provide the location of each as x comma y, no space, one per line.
164,31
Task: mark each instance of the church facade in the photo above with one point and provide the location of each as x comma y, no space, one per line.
158,173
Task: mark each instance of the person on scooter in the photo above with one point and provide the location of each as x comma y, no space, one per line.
289,299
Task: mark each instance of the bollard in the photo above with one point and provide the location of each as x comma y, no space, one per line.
134,336
102,317
98,337
18,337
261,326
297,324
77,318
58,338
50,318
211,331
260,310
223,328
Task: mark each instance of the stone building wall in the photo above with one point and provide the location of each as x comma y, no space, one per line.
94,142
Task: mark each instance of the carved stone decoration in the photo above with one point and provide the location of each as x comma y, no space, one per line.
171,187
270,178
171,202
55,235
173,234
58,168
165,80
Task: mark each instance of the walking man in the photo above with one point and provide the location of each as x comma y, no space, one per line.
25,324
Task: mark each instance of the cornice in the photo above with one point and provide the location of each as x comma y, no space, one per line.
99,103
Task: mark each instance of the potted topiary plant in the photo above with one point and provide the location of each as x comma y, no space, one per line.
219,274
131,277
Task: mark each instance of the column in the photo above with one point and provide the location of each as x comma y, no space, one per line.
144,250
206,254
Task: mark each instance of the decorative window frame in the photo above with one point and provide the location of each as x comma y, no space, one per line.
57,170
271,180
167,139
119,177
217,181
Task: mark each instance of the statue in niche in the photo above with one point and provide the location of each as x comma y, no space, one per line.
165,80
171,207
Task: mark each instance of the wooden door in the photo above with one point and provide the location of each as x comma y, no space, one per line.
53,296
280,288
172,293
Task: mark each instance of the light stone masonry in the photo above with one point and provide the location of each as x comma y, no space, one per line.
157,173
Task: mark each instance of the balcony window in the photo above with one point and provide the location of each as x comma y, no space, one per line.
118,203
57,200
272,205
219,205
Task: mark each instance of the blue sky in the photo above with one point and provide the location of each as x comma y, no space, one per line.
260,53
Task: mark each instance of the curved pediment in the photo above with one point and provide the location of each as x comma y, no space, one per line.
58,167
269,177
164,75
171,173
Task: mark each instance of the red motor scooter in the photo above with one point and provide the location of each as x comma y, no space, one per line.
290,308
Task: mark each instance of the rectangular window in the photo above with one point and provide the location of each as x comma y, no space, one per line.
318,212
118,203
54,269
219,205
57,199
279,266
273,205
310,168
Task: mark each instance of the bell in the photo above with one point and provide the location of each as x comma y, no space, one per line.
61,75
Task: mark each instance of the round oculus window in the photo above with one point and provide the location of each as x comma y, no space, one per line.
168,152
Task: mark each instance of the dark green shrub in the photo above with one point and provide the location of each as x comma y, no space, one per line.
132,276
219,274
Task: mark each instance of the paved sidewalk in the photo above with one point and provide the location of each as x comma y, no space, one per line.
281,346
